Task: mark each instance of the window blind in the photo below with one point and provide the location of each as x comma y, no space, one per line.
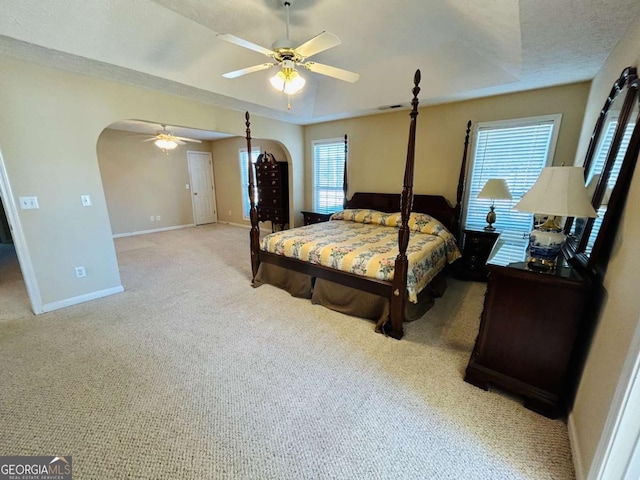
244,178
516,152
328,175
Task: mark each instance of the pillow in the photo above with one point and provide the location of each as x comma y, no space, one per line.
418,222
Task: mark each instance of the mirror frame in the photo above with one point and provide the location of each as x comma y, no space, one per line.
595,263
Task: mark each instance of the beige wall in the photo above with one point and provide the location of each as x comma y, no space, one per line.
226,169
621,310
378,143
141,181
49,128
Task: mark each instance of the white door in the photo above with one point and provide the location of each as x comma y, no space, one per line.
203,194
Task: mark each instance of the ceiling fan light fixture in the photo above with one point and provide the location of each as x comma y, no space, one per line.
288,81
165,144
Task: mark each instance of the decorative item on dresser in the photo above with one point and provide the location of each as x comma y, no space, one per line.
476,247
558,192
273,191
536,325
314,217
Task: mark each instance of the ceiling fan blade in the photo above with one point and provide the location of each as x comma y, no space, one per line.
334,72
178,141
244,71
245,43
185,139
151,139
321,42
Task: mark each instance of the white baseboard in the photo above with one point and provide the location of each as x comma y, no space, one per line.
574,442
49,307
155,230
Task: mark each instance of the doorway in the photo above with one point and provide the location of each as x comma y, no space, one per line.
203,194
19,247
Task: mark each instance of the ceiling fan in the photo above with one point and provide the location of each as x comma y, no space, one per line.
165,140
288,57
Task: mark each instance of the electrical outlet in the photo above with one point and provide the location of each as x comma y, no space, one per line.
152,218
186,186
229,212
157,218
81,272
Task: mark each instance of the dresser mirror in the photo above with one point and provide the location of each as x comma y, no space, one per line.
608,165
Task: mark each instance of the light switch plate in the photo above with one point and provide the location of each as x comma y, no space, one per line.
28,203
86,200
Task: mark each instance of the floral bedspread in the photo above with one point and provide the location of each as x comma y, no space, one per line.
365,242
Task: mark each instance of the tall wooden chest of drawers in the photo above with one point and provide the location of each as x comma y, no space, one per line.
273,191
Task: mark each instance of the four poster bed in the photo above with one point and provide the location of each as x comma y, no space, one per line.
381,258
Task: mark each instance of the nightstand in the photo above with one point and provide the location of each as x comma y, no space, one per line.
313,217
477,245
529,331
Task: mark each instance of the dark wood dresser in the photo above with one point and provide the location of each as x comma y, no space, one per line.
314,217
273,191
476,247
528,334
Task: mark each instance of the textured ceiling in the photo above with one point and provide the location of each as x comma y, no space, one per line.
465,49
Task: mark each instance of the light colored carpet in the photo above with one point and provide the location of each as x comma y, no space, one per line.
192,374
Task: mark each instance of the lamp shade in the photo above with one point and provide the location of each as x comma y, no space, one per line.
495,189
558,191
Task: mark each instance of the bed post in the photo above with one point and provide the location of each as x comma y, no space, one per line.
461,184
399,285
254,233
345,182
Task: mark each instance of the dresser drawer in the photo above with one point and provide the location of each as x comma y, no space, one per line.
275,215
269,193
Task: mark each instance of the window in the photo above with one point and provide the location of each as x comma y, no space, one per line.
516,150
598,166
244,176
328,175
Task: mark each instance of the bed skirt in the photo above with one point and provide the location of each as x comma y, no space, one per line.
347,300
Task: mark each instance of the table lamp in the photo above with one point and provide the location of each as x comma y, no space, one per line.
558,192
494,189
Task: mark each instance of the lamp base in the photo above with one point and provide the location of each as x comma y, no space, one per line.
491,219
545,244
